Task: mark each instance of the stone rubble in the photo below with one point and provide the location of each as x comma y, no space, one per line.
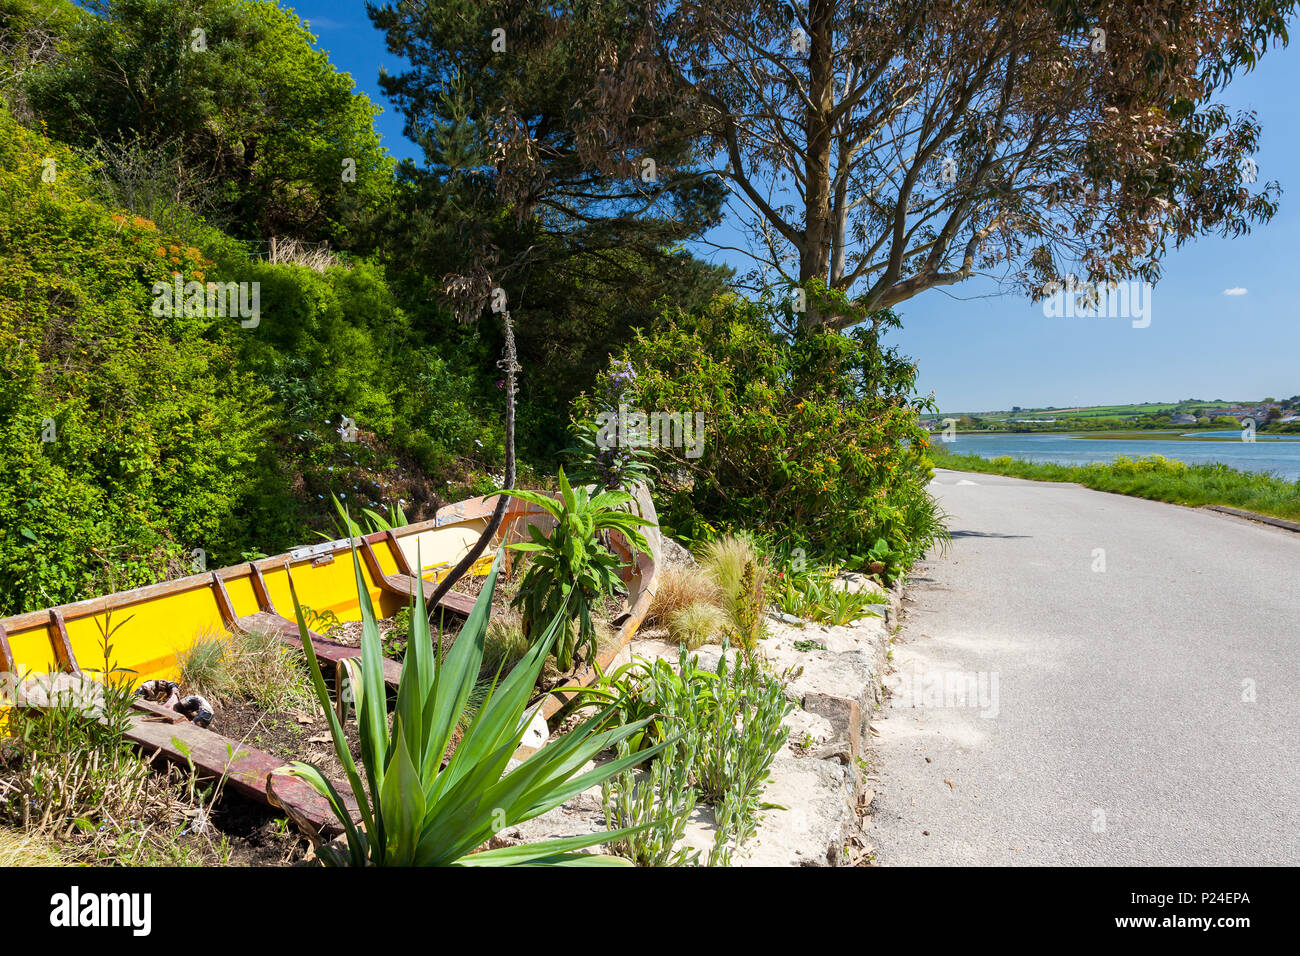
818,778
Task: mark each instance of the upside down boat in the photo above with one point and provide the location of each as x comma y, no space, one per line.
150,627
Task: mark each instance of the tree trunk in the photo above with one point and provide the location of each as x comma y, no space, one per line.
814,257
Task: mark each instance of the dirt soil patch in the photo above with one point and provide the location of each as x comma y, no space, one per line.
294,735
258,835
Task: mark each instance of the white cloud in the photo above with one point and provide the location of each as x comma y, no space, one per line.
1237,290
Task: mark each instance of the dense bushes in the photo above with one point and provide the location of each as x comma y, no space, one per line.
126,439
811,439
178,432
169,433
277,139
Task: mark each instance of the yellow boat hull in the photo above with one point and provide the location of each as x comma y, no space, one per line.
148,628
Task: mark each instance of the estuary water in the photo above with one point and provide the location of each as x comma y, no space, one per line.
1279,456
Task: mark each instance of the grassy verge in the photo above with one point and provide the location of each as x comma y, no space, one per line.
1154,477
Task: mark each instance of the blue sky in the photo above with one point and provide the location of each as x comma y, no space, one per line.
979,350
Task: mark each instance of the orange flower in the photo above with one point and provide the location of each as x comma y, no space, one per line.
161,251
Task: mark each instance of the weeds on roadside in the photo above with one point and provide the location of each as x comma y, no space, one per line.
728,731
738,741
656,805
811,591
697,625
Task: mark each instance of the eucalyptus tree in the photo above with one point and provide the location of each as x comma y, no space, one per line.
886,147
914,144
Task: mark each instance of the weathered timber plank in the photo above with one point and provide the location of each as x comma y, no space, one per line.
286,630
245,768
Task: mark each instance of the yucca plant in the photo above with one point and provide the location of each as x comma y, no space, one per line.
414,811
571,570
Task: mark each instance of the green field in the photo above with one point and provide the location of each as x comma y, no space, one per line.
1109,411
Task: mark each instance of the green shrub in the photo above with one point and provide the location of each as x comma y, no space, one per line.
260,114
697,624
736,742
656,808
811,439
725,727
677,588
126,439
815,594
570,570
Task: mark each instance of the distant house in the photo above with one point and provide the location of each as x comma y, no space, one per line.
1289,418
1183,420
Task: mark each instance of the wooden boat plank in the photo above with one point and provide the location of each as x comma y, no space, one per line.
405,583
62,646
265,622
245,768
6,653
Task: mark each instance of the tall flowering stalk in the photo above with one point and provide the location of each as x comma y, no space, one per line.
607,452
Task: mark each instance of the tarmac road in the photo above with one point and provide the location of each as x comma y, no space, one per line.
1092,679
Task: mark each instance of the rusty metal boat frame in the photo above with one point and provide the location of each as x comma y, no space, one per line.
151,626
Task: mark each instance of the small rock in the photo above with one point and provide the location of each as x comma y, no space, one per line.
676,556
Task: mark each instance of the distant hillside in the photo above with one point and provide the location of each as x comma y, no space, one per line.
1192,406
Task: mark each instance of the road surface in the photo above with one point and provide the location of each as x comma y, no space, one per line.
1092,679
